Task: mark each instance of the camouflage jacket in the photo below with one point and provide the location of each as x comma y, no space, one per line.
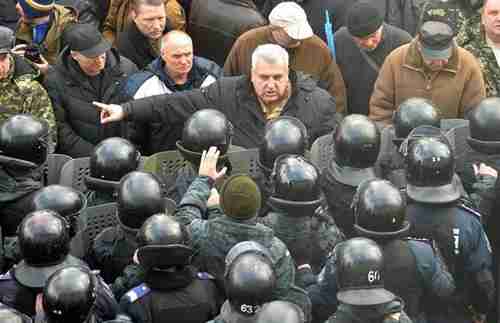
21,93
311,236
477,45
213,238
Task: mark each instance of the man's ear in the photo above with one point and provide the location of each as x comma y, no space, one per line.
133,14
73,54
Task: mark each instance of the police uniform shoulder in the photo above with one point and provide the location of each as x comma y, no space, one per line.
204,276
137,293
419,240
6,276
469,210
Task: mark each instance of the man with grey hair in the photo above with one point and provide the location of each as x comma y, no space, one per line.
289,28
175,70
272,90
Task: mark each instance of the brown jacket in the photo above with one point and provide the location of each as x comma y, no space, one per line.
311,57
53,42
119,17
453,90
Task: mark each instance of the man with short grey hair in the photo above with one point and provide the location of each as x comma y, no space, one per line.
289,28
176,70
270,54
248,102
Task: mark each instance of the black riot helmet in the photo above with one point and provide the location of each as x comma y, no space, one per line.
139,197
205,128
430,170
24,138
379,210
484,125
357,142
360,263
161,229
412,113
249,281
43,237
280,312
66,201
162,242
69,295
44,244
295,183
110,160
284,135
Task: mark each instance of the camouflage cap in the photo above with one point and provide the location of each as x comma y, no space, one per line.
448,12
240,197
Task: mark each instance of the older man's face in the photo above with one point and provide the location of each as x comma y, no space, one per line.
270,82
491,19
91,66
178,58
369,42
4,65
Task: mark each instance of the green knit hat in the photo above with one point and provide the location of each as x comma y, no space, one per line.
240,197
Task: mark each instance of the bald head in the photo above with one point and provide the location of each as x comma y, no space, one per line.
175,38
177,53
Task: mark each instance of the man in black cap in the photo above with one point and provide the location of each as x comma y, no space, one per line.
87,70
240,200
361,48
432,66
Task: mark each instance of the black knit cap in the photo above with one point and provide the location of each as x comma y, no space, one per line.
363,19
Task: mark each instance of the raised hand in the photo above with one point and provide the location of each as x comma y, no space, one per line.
208,164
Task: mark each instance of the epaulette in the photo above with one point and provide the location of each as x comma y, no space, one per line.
470,210
6,276
137,292
424,240
205,276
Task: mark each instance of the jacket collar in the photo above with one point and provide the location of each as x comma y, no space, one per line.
168,280
299,82
157,67
413,59
138,40
241,3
